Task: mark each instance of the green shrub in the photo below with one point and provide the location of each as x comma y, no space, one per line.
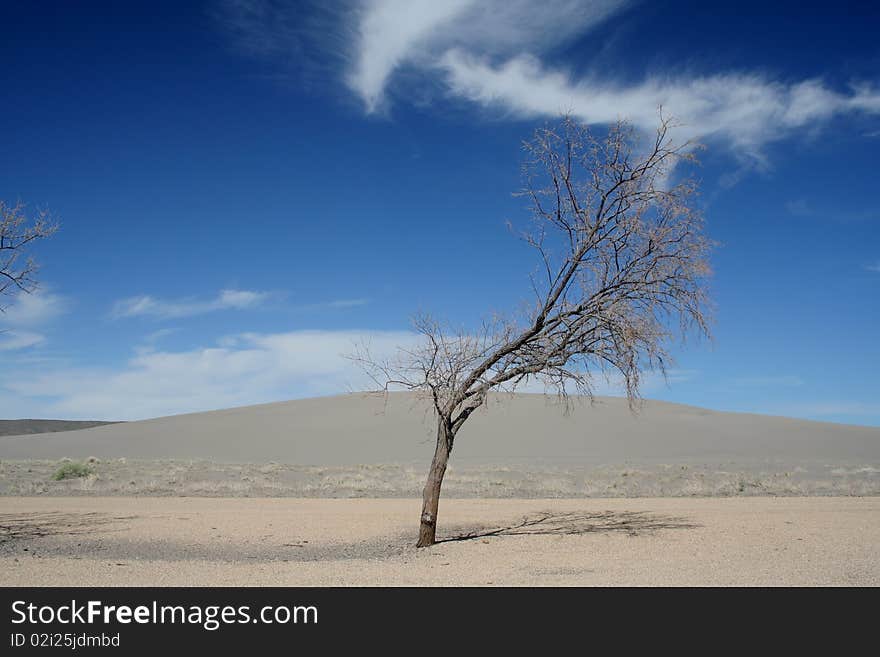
72,470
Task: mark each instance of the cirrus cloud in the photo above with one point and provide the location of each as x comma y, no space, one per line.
744,111
496,54
12,340
29,312
148,306
242,369
32,309
395,33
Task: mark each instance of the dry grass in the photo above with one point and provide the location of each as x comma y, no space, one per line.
205,479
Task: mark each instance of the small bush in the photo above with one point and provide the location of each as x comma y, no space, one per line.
72,470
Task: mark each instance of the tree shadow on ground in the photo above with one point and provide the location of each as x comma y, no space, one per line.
28,526
632,523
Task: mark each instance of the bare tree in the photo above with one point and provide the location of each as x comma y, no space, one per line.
17,231
623,271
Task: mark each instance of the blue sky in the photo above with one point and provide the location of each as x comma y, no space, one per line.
245,188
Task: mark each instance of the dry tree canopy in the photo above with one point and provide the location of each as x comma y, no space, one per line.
623,269
17,231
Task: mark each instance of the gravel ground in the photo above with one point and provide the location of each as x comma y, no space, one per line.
750,541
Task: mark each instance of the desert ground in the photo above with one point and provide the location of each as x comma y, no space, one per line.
325,492
253,542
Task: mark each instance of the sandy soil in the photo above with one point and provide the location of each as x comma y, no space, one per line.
186,541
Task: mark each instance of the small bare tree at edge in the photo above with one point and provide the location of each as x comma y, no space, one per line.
623,268
17,231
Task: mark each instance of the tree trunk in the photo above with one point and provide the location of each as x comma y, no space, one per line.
431,494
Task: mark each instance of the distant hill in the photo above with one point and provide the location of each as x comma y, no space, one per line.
29,427
360,428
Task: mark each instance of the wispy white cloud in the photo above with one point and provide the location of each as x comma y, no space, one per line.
371,40
242,369
745,111
306,40
34,309
27,313
392,34
494,53
155,336
148,306
12,339
149,342
874,267
490,53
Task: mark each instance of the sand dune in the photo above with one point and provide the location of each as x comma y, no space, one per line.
363,429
